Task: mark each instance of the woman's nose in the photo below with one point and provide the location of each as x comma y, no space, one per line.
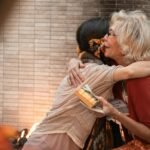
105,37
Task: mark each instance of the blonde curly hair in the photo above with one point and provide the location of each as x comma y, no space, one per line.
132,30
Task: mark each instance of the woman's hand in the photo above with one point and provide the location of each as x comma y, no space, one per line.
108,109
75,76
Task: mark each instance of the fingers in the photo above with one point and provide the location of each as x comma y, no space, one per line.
71,80
81,65
75,77
107,107
101,99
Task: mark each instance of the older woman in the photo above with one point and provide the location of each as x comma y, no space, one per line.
127,42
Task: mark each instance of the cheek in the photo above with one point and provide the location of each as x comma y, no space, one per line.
117,50
115,47
108,53
115,44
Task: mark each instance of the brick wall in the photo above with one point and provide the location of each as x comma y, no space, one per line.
36,40
108,6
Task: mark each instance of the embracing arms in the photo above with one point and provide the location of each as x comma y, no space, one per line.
134,70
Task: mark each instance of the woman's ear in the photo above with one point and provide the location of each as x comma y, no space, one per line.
81,55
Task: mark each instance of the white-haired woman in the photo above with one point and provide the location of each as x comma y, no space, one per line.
127,42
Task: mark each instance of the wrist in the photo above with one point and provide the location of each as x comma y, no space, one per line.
116,114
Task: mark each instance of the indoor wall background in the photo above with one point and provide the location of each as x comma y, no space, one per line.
36,41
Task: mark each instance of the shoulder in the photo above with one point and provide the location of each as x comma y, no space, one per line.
99,71
106,67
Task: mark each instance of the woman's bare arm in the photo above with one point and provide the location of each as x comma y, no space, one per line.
135,127
134,70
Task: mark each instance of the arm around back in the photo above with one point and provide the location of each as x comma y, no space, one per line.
135,70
